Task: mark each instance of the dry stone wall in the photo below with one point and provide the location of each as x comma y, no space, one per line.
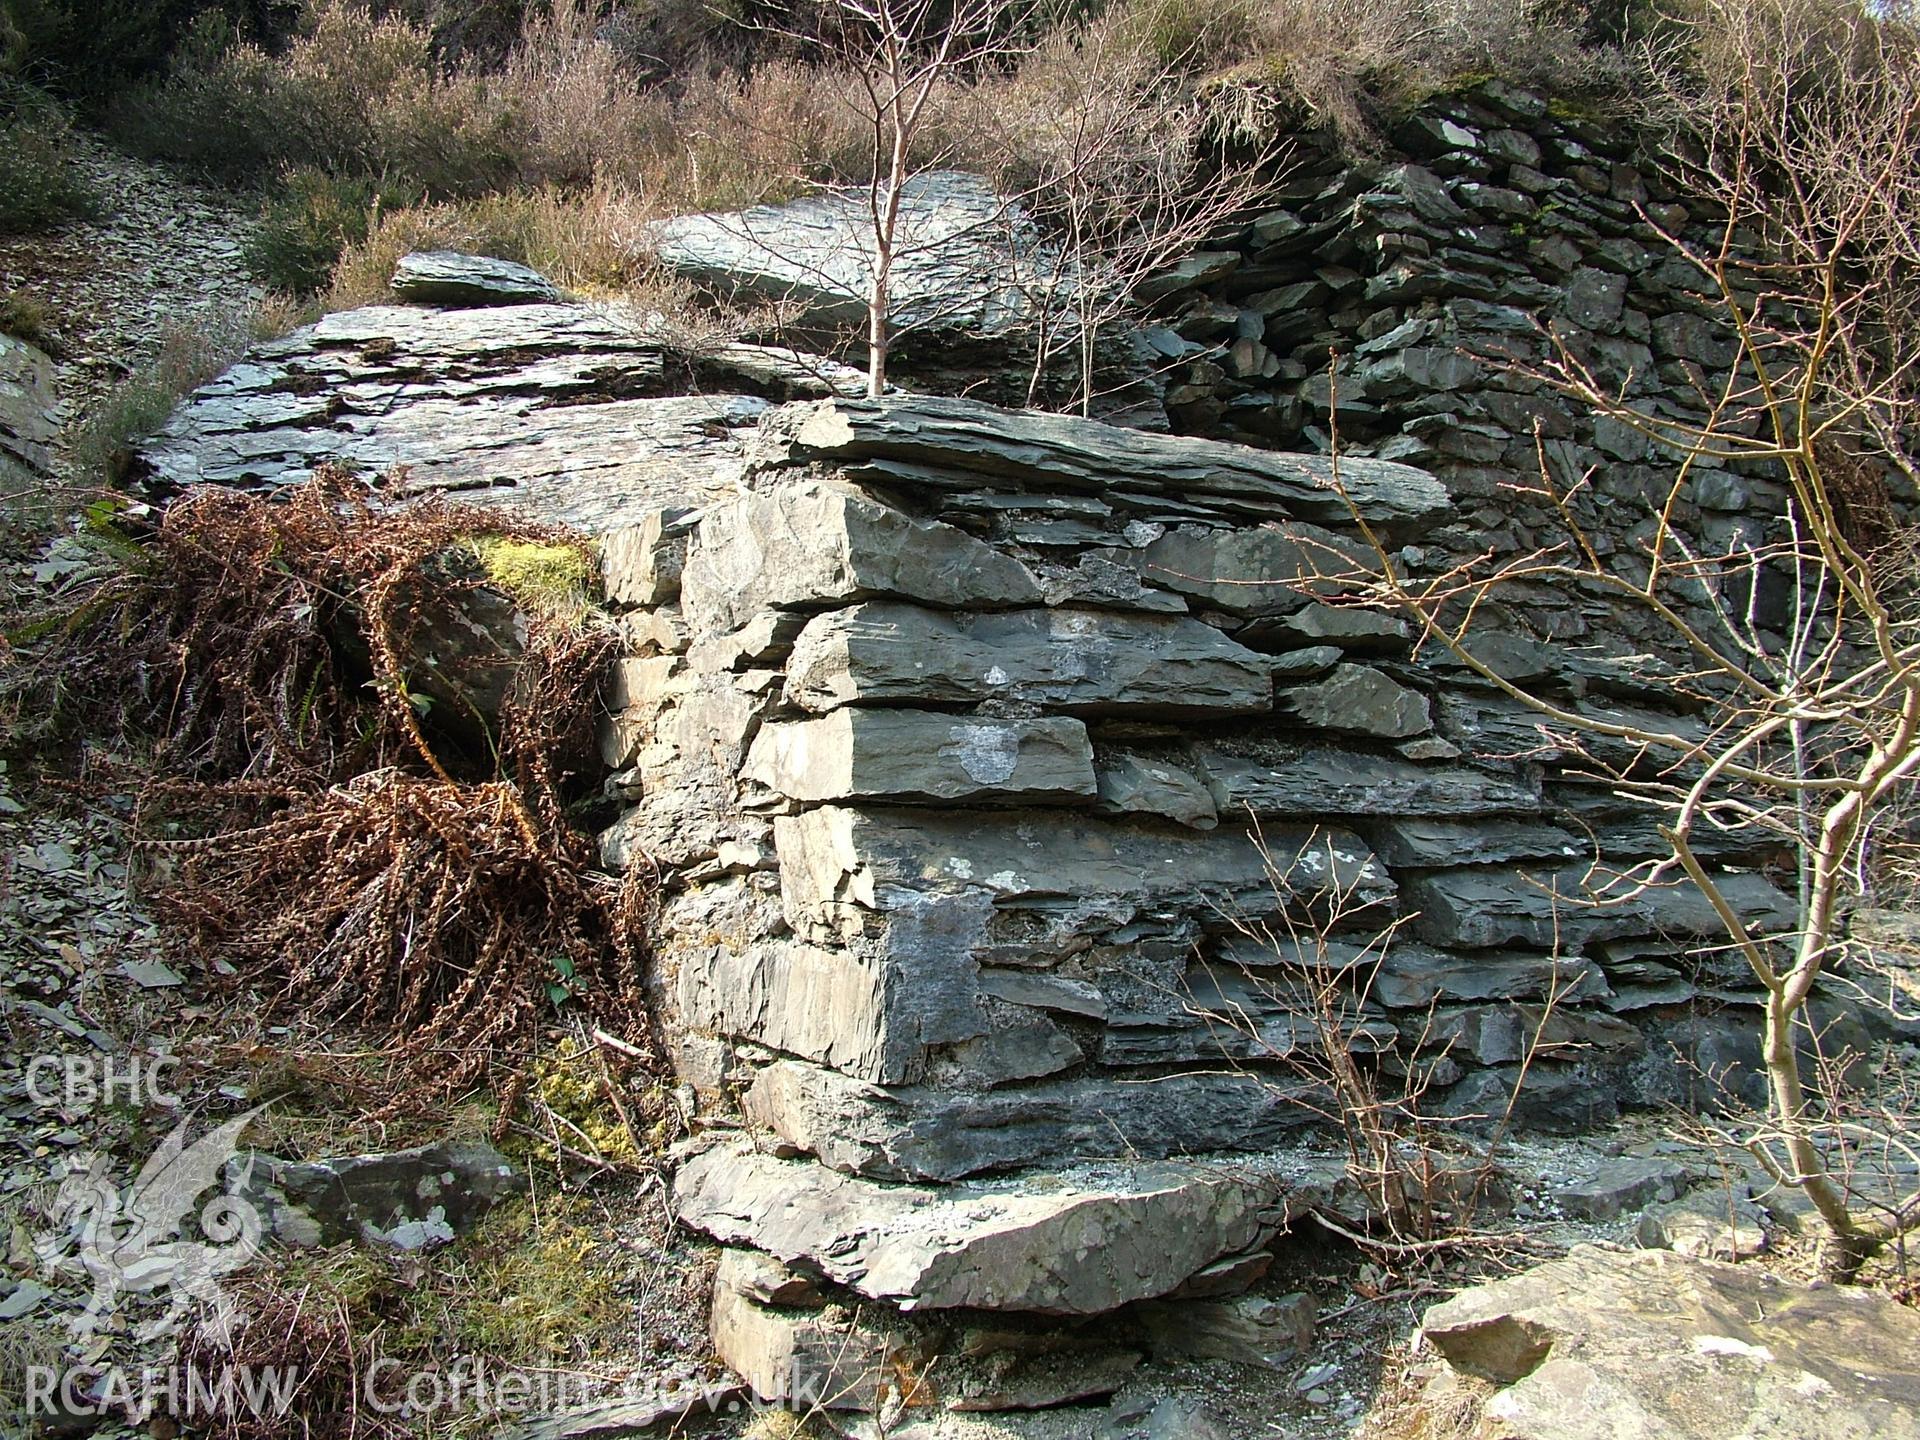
1027,790
1008,760
1403,297
1022,783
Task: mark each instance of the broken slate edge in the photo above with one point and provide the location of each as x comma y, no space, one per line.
448,277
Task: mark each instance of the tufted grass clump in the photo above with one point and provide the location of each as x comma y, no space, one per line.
191,353
27,317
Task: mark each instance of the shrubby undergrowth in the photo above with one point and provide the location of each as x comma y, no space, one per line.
310,814
41,183
679,107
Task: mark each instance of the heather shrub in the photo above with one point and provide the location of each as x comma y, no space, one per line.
86,51
587,242
41,182
353,95
310,218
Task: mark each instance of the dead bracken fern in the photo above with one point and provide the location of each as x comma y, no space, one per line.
357,856
439,914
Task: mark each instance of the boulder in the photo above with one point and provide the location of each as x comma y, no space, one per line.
854,754
1082,1244
811,545
1085,661
447,277
965,263
922,443
403,1199
1607,1343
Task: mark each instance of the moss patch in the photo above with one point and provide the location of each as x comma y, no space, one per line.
568,1082
527,1286
553,582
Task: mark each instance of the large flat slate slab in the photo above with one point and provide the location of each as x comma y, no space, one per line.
1080,1243
931,441
554,408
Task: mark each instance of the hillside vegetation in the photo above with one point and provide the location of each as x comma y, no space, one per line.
547,133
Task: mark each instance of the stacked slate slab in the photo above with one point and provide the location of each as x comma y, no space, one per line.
1021,781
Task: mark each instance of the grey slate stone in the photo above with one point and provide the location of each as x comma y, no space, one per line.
1128,784
810,545
822,1003
909,1133
927,442
640,564
840,865
1712,1223
1356,700
1321,781
856,753
29,424
1042,991
1569,1345
1497,906
1425,842
967,260
1084,661
550,408
1629,1182
1264,570
1248,1330
1413,977
403,1199
1082,1244
1347,626
447,277
810,1359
